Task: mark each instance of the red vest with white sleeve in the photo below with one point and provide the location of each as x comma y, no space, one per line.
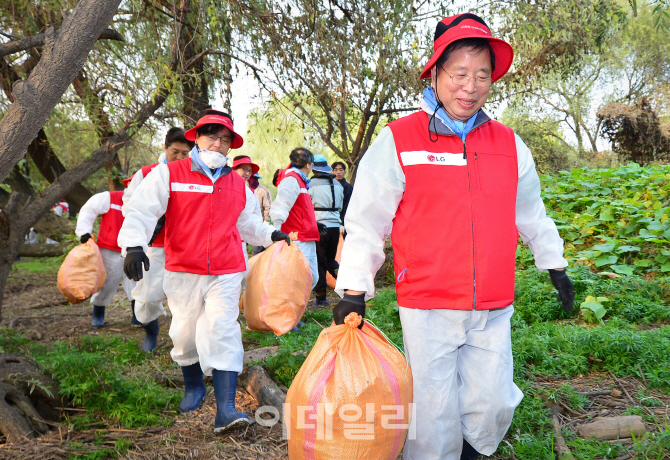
111,222
201,233
454,234
301,217
159,241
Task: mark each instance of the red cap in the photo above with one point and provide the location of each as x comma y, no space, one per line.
468,25
246,161
212,119
127,180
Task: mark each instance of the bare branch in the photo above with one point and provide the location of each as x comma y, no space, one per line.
387,111
38,40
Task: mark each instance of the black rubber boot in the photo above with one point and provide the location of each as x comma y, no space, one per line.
468,452
98,316
150,335
194,388
133,320
227,417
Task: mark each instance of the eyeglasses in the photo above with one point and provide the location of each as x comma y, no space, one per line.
462,80
224,139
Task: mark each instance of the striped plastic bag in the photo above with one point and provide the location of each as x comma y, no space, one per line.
82,273
351,399
278,288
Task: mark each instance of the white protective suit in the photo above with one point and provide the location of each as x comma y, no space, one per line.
461,360
287,193
204,307
148,292
98,205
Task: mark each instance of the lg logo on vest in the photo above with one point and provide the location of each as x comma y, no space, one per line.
195,188
433,159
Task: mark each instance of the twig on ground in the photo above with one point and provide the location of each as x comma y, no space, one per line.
644,379
560,447
623,388
159,370
595,393
565,406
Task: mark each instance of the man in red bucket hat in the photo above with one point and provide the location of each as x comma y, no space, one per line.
208,212
455,301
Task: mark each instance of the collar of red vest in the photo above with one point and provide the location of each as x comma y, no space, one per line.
439,127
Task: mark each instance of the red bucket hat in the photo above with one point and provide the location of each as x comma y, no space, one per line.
240,161
127,180
214,119
468,25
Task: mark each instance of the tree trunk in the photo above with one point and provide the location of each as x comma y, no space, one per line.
64,54
11,240
96,113
13,227
50,167
195,85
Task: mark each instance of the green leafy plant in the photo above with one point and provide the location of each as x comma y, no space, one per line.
592,309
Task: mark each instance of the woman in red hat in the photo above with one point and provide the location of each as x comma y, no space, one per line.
455,301
245,168
208,212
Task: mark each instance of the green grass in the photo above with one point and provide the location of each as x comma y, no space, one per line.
109,376
546,341
38,265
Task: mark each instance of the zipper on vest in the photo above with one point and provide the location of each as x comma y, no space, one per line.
479,177
472,223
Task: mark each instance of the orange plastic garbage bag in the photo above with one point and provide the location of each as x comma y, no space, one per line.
82,273
278,288
351,399
250,264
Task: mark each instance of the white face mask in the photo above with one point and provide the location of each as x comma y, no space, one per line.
212,159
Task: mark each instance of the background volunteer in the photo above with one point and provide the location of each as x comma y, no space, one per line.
245,168
340,169
148,293
292,210
327,196
107,205
265,200
455,301
207,209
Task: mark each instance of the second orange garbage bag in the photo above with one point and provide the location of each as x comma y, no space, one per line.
277,290
82,273
351,399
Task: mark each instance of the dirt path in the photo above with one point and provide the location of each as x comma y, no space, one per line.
34,307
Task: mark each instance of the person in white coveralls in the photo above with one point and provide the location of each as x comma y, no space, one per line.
454,250
208,211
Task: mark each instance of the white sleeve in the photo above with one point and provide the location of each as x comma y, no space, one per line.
132,186
250,224
287,192
380,185
96,206
536,229
147,205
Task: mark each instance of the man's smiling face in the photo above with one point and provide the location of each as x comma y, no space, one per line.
461,102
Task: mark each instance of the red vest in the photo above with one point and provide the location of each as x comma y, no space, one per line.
454,233
201,234
159,242
111,222
301,217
